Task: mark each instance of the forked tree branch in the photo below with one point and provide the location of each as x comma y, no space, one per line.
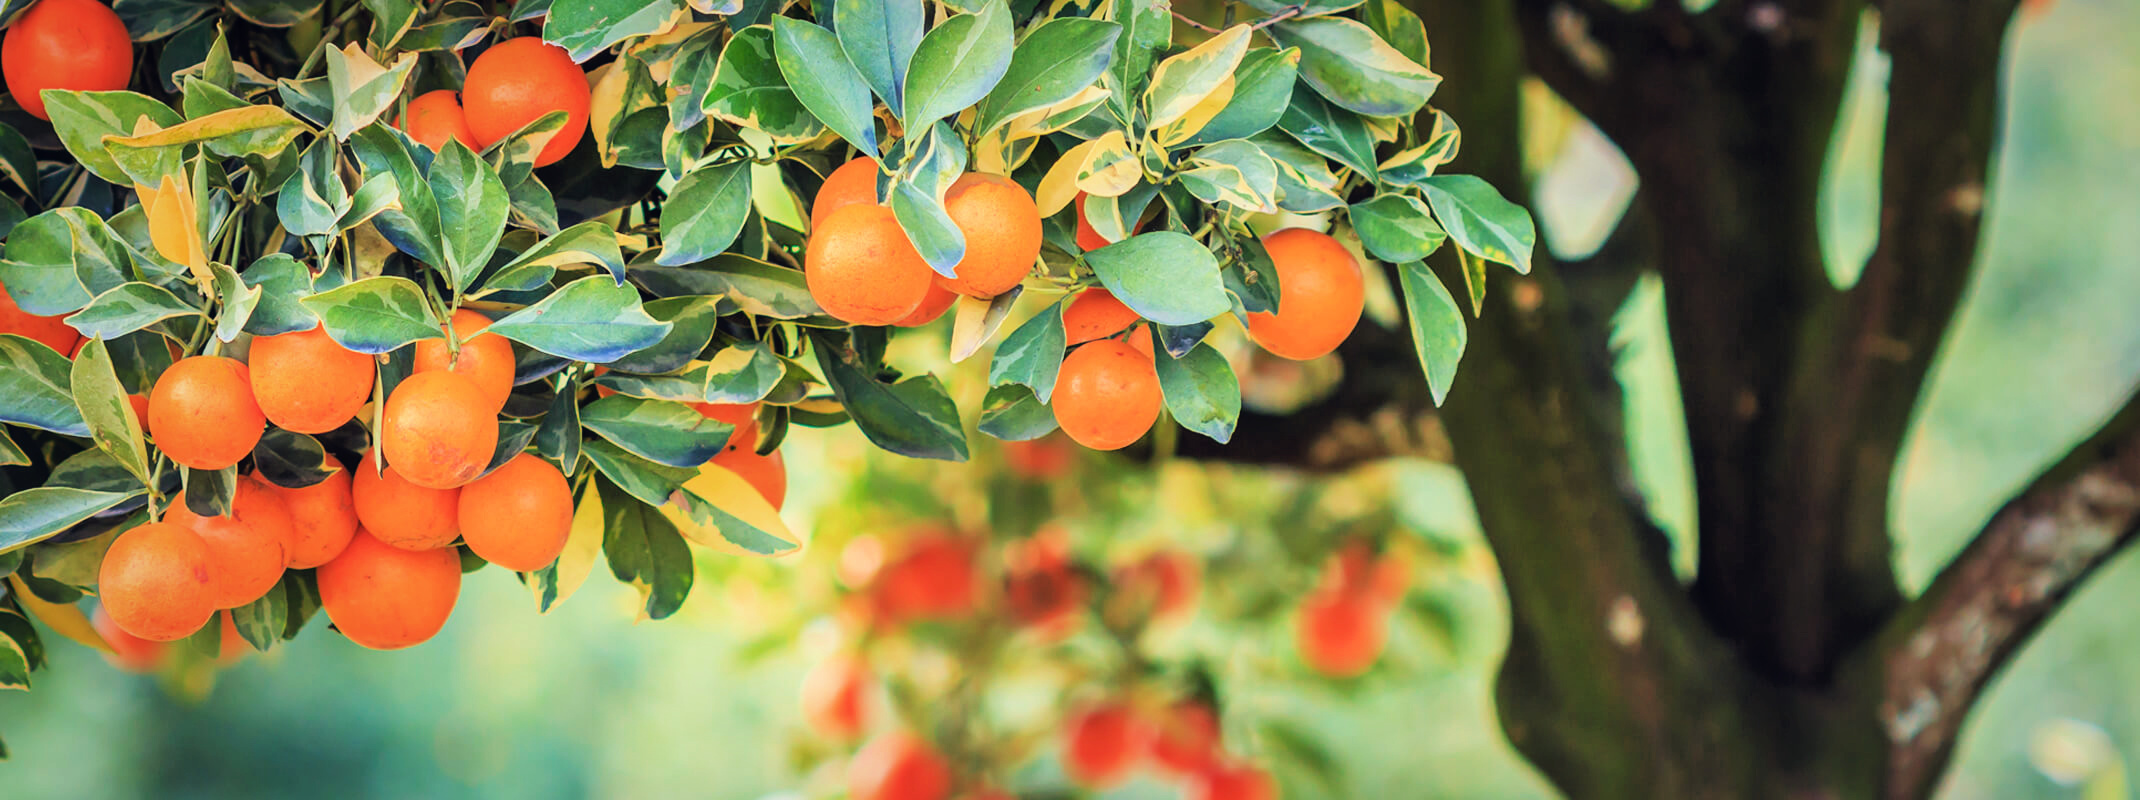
1938,654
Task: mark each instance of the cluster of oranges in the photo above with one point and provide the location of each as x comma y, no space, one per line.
511,84
861,268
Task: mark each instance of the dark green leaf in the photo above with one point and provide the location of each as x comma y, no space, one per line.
283,284
313,200
1032,354
83,119
644,549
127,308
705,212
413,225
1329,130
591,319
209,491
878,37
1165,277
1354,68
1482,222
1010,412
559,437
32,515
818,73
36,384
590,242
957,63
662,431
261,622
1437,326
472,207
1147,28
755,287
913,417
744,372
1263,87
375,315
691,319
1201,390
1396,228
292,460
103,403
650,482
58,260
748,90
587,27
1056,61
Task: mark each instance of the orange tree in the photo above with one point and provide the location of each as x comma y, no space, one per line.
311,307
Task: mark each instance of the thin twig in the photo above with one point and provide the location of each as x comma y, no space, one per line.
1192,23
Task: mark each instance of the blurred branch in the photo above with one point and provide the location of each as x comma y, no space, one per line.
1941,651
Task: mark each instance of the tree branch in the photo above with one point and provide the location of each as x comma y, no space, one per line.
1940,652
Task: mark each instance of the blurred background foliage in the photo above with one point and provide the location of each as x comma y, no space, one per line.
584,703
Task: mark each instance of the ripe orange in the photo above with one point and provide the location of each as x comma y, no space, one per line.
403,514
202,413
742,415
1107,395
439,430
1002,229
1232,782
1102,744
1357,568
140,404
519,80
932,306
244,559
307,383
1044,459
1095,314
1040,589
1089,238
518,516
485,358
260,504
1320,295
854,182
65,44
1162,586
767,473
128,652
322,518
935,579
50,330
436,116
861,269
387,598
1185,738
835,697
157,581
1340,634
898,766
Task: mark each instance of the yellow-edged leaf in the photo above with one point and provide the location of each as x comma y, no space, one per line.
582,546
606,108
170,211
1189,124
65,620
1184,80
1109,168
716,492
1059,186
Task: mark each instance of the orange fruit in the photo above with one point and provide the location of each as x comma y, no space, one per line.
307,383
742,415
861,269
1165,582
436,116
835,697
230,645
1002,229
1320,295
65,44
387,598
245,559
50,330
202,413
140,404
767,473
854,182
1185,737
485,358
1106,395
260,504
157,581
1043,459
438,430
322,518
1340,634
935,579
898,766
518,516
1356,568
1040,589
401,513
1232,782
128,652
1088,237
1102,744
518,80
933,305
1095,314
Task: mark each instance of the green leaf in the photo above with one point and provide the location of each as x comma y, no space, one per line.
913,417
412,223
18,164
733,529
1329,130
238,300
1305,183
590,242
957,63
1438,333
283,285
645,550
256,131
705,212
1262,88
1164,276
1354,68
261,622
662,431
652,483
970,330
1252,279
749,92
1398,26
1010,412
1308,8
292,460
817,71
128,308
1057,60
1185,80
1234,172
362,88
83,119
878,37
33,515
744,372
559,437
14,662
1201,390
591,319
1147,28
691,319
209,491
1032,354
1396,228
929,227
40,267
459,26
755,287
587,27
375,315
275,13
1481,221
104,407
1412,167
1474,279
313,200
11,454
472,207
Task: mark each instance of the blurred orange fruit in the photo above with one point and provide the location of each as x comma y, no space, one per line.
898,766
128,652
1102,744
835,697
